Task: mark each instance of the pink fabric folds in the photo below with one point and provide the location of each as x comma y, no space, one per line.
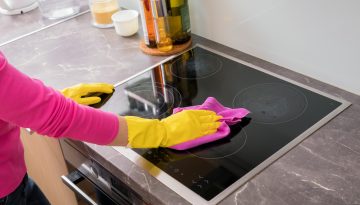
230,117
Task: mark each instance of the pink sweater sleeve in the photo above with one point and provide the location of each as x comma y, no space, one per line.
27,102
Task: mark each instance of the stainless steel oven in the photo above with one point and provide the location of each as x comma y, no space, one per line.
91,182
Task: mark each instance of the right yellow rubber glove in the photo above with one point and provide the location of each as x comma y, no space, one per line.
177,128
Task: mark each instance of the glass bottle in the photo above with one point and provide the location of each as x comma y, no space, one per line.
101,11
147,23
179,20
163,40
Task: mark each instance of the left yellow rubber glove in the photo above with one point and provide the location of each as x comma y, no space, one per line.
82,93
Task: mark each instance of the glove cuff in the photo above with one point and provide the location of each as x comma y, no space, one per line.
145,133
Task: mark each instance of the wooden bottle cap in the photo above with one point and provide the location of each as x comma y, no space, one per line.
156,52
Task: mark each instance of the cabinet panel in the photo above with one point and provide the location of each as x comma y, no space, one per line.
45,164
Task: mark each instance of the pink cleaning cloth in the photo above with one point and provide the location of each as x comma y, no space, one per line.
229,117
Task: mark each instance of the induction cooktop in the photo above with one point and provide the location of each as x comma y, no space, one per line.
283,113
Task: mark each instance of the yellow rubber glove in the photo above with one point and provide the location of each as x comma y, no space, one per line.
177,128
82,93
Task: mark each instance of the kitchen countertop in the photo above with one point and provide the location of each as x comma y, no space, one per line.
323,169
16,26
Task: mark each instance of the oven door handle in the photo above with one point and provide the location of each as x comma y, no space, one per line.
71,180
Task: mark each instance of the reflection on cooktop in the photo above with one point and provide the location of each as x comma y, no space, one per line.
151,100
104,98
196,66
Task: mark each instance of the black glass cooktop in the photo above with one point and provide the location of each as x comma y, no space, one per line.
280,112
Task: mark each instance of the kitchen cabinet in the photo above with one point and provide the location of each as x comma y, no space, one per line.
45,164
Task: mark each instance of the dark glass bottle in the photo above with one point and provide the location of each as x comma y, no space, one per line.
178,18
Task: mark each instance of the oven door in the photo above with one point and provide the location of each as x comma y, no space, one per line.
91,182
89,193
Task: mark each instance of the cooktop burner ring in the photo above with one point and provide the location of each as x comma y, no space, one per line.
242,140
161,104
204,66
272,103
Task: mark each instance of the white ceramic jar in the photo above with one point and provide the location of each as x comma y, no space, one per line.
126,22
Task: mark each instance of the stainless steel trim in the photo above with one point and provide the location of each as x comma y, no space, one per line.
43,28
76,189
191,196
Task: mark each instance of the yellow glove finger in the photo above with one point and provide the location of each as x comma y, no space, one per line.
211,131
74,91
88,100
98,88
210,118
210,126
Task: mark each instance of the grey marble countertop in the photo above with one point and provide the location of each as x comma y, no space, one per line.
16,26
323,169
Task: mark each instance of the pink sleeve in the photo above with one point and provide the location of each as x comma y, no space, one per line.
29,103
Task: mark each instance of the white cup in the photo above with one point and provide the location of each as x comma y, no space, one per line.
126,22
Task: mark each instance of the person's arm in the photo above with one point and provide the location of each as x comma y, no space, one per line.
29,103
121,138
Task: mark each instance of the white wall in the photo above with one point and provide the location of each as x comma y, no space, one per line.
129,4
319,38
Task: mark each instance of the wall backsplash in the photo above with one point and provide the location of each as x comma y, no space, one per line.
320,38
